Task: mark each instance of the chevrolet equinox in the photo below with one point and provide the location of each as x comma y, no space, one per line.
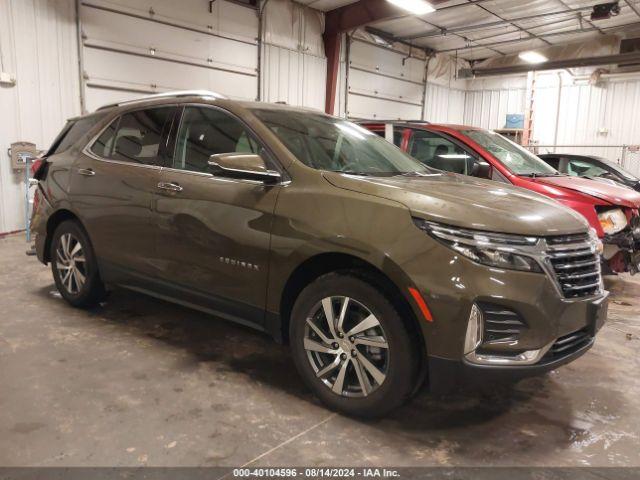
377,270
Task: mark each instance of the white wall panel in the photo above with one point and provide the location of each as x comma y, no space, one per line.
444,104
383,83
602,116
372,108
294,66
143,47
489,108
38,42
293,77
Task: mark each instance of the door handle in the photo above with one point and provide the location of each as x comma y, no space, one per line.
87,172
172,187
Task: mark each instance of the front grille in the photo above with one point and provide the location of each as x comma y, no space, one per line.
567,344
501,325
576,265
564,239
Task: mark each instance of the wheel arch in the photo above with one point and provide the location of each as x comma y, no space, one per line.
324,263
54,220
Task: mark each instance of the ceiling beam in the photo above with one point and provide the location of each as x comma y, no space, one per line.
528,39
359,14
560,64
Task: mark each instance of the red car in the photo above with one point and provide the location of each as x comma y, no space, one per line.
610,209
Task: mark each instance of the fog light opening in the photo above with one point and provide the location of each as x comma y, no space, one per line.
473,338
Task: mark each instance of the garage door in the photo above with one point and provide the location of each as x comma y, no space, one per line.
383,83
133,47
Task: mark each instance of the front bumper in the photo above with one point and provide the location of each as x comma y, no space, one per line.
451,285
446,375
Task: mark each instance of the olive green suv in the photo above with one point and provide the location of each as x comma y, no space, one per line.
380,273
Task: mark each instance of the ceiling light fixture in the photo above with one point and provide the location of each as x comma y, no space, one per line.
417,7
532,57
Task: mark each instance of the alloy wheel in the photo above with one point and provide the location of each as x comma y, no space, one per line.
346,346
71,263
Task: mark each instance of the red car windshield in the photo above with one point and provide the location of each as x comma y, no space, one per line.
516,158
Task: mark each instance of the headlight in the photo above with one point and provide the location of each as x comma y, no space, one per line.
612,221
593,235
488,248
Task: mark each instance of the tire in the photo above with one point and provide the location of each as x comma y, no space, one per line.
398,362
74,266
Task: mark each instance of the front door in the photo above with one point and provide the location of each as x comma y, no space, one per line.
215,232
113,186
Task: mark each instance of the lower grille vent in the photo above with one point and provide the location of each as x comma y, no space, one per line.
501,325
567,344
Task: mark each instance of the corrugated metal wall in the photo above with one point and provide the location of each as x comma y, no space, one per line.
488,108
604,115
294,66
444,104
39,48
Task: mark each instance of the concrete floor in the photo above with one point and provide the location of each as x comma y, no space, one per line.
142,382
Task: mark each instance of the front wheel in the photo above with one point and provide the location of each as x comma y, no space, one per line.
74,266
351,346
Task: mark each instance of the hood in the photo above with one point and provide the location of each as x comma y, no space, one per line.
614,194
469,202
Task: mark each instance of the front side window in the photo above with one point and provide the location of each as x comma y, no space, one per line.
332,144
136,137
517,159
208,131
439,152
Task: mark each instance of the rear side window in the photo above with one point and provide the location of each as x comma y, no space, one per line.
72,132
136,137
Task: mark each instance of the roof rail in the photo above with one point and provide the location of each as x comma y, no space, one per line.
171,94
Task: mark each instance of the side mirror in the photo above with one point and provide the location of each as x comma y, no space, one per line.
247,166
481,169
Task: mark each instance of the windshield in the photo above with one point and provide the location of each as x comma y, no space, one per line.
327,143
517,159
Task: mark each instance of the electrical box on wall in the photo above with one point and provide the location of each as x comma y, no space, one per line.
21,153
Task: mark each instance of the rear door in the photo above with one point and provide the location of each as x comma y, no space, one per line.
215,232
114,185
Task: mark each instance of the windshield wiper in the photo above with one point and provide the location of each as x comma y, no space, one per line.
536,175
351,172
414,174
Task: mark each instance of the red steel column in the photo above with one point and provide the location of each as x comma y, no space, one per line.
332,51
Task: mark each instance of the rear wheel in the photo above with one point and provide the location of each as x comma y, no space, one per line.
351,346
74,266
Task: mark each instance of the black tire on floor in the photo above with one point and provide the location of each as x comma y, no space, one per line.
92,290
403,363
